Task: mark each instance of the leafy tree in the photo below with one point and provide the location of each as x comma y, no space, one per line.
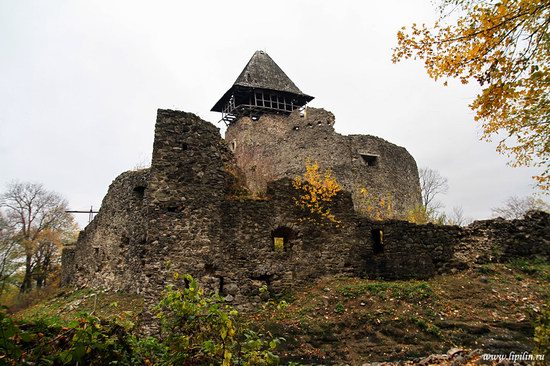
432,183
503,45
418,215
46,261
316,192
36,215
516,207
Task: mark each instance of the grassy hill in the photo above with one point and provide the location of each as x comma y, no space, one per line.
491,308
340,320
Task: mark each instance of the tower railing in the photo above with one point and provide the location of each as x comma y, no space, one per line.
258,102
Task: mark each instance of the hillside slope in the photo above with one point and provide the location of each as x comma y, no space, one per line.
348,320
341,320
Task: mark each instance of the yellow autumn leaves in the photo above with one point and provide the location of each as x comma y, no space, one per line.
377,208
504,47
316,191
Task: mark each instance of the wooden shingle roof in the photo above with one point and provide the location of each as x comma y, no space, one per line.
261,72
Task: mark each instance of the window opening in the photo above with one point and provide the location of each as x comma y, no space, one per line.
378,240
220,287
281,239
370,159
139,192
279,243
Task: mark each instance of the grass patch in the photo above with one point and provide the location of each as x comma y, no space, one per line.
66,303
377,320
339,309
411,291
486,269
537,267
425,326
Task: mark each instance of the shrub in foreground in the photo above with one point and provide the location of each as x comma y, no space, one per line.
195,329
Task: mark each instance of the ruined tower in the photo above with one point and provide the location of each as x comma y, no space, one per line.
272,133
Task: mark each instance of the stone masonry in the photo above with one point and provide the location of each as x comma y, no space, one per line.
187,214
276,146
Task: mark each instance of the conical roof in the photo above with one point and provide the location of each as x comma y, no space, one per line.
262,72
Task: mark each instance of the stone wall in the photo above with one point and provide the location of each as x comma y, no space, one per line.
187,214
311,250
188,182
502,240
420,251
277,146
110,250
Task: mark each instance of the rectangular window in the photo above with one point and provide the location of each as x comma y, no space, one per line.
370,159
377,240
279,244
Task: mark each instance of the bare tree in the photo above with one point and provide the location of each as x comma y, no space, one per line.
516,207
431,184
10,254
33,211
457,217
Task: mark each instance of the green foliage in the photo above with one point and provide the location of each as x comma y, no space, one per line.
537,267
87,340
339,309
425,326
542,331
195,329
408,291
202,329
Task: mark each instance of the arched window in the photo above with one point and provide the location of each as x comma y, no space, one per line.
282,238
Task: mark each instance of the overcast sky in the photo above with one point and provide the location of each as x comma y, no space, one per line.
81,81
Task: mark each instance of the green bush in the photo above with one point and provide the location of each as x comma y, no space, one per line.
86,341
203,330
195,329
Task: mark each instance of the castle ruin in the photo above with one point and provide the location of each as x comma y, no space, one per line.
272,135
187,213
